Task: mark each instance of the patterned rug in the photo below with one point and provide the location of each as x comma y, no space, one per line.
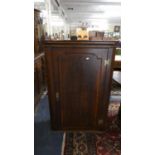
95,143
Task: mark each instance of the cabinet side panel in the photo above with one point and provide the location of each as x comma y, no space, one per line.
54,109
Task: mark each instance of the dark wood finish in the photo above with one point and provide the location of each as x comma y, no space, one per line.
39,78
96,35
117,65
79,81
39,60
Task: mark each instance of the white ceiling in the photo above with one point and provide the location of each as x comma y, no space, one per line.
92,11
89,13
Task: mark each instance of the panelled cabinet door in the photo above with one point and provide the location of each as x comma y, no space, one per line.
77,83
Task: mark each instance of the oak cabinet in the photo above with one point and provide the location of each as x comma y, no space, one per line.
79,77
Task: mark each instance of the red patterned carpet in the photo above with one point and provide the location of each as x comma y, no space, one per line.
95,143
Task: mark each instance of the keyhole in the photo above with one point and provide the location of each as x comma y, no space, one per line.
87,58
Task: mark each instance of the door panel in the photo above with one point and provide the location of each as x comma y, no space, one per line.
80,76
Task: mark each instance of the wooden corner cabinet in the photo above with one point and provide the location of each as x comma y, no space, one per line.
79,81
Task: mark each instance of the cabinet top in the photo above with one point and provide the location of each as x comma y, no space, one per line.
79,43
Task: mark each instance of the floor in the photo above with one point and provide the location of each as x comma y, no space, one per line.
46,141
